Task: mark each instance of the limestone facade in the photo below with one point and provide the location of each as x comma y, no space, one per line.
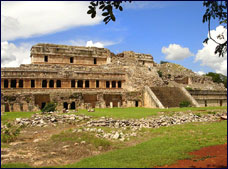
83,77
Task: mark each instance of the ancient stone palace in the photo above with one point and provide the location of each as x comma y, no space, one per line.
82,77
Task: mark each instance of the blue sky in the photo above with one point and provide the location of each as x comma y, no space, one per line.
156,28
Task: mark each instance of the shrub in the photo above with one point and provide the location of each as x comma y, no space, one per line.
49,107
162,62
159,73
10,133
189,88
184,104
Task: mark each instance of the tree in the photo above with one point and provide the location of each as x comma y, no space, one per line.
106,7
218,78
216,10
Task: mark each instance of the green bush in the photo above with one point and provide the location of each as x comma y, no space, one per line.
10,133
189,88
162,62
49,107
185,104
159,73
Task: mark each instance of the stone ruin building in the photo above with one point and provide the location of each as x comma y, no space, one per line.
83,77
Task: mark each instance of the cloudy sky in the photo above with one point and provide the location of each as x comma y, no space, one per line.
169,31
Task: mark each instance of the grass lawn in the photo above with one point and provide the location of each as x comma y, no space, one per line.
164,145
139,112
168,145
9,116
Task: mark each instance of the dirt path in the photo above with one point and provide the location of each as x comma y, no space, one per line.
207,157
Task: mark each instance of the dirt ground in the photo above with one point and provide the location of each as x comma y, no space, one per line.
207,157
33,147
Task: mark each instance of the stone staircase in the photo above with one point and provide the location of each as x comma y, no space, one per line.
170,96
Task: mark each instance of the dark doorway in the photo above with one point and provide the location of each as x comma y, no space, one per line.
58,83
72,105
13,83
73,83
97,84
65,105
205,103
45,58
220,102
119,84
6,83
80,83
94,61
32,83
107,84
21,83
44,83
136,103
87,83
113,84
7,107
51,83
71,60
43,105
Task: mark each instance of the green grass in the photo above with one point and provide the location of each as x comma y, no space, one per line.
170,144
139,112
69,136
15,165
9,116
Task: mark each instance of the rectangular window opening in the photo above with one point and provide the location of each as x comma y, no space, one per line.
97,83
32,83
71,60
45,58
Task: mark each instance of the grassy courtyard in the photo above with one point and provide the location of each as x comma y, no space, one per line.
152,147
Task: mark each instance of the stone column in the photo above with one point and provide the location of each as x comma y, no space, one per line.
9,86
111,105
48,83
76,83
119,104
17,83
24,84
83,84
116,84
54,83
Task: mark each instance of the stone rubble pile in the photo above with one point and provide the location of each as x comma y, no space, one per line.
45,120
121,129
163,120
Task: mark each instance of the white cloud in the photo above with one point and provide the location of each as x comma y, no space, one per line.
13,56
176,52
25,19
200,72
97,44
90,43
206,54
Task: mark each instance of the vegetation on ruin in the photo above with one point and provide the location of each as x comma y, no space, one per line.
51,106
186,138
218,78
159,73
10,133
185,104
189,88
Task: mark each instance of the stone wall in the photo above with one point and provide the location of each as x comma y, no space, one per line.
209,97
62,54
